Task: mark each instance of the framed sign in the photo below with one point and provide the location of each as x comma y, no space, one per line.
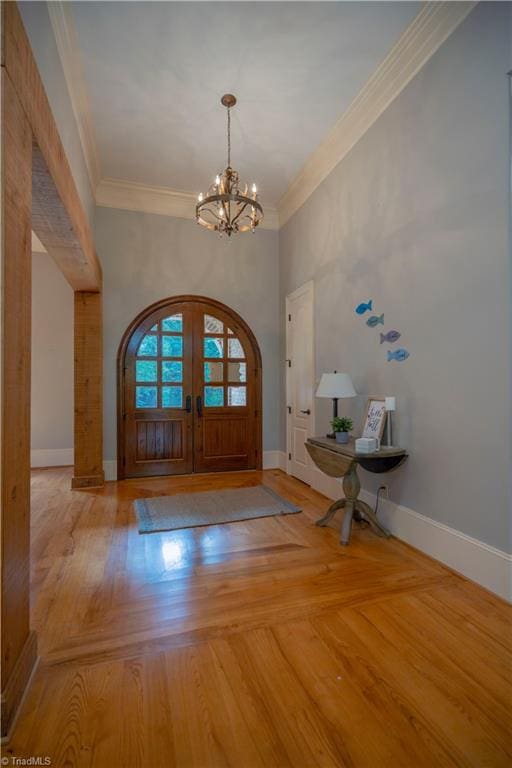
375,418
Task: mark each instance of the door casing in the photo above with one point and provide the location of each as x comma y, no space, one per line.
305,292
170,303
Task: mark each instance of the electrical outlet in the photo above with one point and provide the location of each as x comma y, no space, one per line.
385,490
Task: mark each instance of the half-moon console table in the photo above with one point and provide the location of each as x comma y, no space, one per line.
338,460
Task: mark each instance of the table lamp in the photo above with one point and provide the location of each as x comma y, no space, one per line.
335,385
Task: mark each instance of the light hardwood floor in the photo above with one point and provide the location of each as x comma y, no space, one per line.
257,644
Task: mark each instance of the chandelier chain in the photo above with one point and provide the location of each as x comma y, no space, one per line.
229,137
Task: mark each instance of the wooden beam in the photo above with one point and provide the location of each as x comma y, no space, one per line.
88,391
59,219
51,223
18,643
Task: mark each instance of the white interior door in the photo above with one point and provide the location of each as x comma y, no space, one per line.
300,380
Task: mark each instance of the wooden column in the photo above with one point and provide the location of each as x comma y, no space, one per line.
19,645
88,390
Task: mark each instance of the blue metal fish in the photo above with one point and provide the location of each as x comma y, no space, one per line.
398,354
375,320
390,336
362,308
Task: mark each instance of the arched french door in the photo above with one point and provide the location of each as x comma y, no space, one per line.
189,391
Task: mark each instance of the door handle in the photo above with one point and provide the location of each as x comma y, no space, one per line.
199,406
188,403
307,411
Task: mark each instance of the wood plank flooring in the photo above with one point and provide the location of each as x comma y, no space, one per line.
260,644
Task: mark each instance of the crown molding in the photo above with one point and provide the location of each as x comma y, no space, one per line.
425,34
66,39
131,196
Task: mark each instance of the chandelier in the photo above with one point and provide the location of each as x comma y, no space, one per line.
225,208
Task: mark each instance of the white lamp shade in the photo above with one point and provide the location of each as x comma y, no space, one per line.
335,385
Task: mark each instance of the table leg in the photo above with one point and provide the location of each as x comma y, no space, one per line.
331,512
355,509
369,515
346,525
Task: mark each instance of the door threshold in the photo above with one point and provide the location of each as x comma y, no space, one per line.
190,475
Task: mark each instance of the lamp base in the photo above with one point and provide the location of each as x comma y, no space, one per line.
332,436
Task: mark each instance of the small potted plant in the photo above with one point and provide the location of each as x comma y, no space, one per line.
341,426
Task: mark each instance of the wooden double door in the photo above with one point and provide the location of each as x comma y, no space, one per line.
189,391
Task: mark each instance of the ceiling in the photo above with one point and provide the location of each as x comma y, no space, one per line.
155,73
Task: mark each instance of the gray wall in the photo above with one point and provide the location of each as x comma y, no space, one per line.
52,357
416,217
146,257
39,30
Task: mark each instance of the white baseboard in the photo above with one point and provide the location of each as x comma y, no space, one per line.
274,460
488,566
110,469
52,457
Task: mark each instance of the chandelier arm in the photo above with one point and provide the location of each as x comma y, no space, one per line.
240,212
200,209
212,212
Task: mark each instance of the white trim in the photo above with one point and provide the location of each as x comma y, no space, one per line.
66,39
422,38
486,565
307,287
274,460
132,196
110,469
52,457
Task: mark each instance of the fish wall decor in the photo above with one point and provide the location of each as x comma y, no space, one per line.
390,336
398,354
364,307
375,320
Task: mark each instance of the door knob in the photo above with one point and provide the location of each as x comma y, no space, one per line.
307,411
199,406
188,404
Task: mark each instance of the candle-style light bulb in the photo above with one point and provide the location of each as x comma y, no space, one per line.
200,197
217,180
254,189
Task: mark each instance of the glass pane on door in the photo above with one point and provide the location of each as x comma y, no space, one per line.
213,324
172,346
172,370
173,323
235,349
213,371
214,397
213,347
145,370
145,397
237,372
237,396
149,346
172,397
